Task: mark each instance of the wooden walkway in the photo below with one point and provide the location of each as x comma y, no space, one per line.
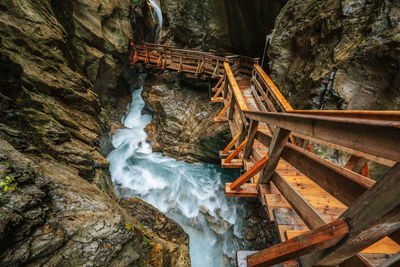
303,194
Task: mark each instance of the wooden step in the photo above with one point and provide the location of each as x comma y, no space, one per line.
234,164
246,190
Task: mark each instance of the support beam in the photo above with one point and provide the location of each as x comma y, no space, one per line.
355,164
279,140
373,216
250,139
250,173
219,117
236,152
315,240
311,217
380,138
230,145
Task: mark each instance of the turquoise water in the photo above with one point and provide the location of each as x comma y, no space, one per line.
191,194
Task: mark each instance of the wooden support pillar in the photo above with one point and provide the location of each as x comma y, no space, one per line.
315,240
250,138
278,143
226,86
232,107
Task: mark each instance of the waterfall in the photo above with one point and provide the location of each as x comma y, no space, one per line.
158,16
191,194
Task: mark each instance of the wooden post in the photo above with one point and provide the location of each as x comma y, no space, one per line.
232,107
250,138
278,143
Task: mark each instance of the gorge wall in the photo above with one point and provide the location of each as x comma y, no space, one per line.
235,26
338,54
64,79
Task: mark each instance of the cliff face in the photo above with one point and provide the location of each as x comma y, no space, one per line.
63,67
338,54
183,124
233,25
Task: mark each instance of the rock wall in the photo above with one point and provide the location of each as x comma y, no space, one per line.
63,71
338,54
183,124
232,25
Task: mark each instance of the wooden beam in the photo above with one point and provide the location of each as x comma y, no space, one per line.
357,114
250,173
373,216
219,90
355,164
280,99
236,152
378,138
315,240
218,118
246,190
230,145
235,88
311,217
250,138
279,140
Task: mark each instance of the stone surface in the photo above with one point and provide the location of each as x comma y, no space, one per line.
183,124
64,78
357,42
231,25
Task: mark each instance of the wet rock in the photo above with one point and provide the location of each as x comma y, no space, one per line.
183,124
65,78
235,26
357,40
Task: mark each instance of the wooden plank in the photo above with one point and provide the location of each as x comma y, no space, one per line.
246,190
278,143
311,217
283,103
392,261
234,164
250,173
378,138
235,88
217,99
373,216
318,239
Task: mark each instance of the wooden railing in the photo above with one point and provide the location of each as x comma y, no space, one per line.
373,207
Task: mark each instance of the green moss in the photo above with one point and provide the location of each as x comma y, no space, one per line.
140,224
128,226
146,241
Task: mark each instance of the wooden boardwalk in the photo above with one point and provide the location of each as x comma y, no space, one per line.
305,195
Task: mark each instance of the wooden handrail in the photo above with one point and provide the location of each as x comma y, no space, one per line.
359,114
235,88
375,137
280,99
